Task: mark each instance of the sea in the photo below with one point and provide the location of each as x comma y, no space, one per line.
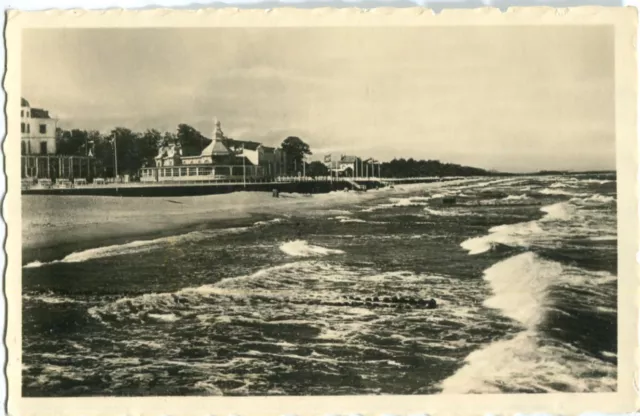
523,271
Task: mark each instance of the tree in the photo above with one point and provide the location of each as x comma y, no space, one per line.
315,169
191,141
71,142
295,150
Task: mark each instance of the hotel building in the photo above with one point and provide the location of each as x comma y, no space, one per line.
38,148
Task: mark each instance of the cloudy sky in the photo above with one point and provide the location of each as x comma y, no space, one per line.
506,98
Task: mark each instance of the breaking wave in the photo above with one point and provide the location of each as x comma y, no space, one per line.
301,248
138,246
530,362
440,213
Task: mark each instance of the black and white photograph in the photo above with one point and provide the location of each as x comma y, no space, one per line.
319,211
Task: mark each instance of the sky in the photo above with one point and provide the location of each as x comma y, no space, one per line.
507,98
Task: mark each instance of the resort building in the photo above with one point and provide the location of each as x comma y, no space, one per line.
349,166
222,159
39,151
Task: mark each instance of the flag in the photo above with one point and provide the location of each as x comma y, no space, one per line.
327,158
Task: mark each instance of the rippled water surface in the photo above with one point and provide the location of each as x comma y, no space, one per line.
523,271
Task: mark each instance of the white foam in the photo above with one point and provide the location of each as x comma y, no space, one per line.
559,211
516,197
594,199
555,191
268,222
301,248
604,238
440,213
519,234
520,285
50,299
138,246
163,317
526,363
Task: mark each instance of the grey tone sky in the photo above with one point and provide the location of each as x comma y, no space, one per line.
509,98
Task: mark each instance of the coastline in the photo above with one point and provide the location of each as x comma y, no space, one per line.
54,226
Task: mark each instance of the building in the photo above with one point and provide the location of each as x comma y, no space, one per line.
40,159
222,159
348,166
37,130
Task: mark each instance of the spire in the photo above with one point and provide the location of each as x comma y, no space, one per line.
217,129
216,147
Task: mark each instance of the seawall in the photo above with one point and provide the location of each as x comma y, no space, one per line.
164,190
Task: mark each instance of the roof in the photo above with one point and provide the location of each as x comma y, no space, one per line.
249,145
231,160
39,113
24,103
268,149
215,148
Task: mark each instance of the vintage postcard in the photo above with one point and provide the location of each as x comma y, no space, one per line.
331,211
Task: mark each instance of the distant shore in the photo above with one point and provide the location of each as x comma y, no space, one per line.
55,225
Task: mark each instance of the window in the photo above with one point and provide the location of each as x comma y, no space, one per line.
23,148
21,113
29,147
28,128
43,129
27,114
193,171
205,171
183,171
43,148
22,127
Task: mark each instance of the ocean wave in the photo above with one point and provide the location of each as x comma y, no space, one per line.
519,234
440,213
560,211
301,248
398,203
525,363
344,219
593,199
138,246
268,222
50,299
520,286
555,191
528,362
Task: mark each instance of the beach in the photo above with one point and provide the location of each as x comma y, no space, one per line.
59,224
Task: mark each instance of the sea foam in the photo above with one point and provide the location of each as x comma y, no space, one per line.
137,246
301,248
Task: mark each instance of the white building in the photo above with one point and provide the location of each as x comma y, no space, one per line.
217,161
38,131
40,159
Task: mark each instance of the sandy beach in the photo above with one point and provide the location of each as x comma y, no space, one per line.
55,224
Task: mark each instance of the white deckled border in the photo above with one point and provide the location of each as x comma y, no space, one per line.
625,22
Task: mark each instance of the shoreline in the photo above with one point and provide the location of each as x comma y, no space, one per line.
55,226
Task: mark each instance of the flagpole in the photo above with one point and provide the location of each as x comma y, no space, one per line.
244,169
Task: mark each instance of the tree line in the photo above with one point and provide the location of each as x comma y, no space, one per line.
411,168
138,149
